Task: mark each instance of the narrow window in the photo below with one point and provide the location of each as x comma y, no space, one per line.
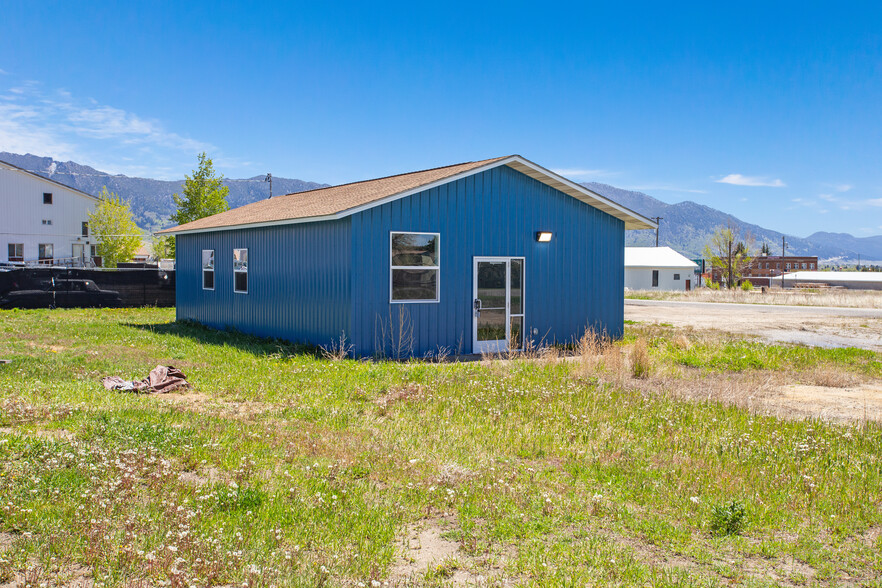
655,278
85,229
240,271
16,252
47,198
415,267
208,269
45,251
93,250
676,276
47,222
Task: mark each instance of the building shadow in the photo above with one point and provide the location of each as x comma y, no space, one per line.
259,346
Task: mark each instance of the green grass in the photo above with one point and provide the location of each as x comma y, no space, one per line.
282,468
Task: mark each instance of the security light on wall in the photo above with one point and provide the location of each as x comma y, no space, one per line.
543,236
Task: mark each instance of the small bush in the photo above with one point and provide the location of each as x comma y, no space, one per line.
728,519
746,286
640,359
713,285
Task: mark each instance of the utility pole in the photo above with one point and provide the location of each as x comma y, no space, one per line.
783,253
658,220
269,178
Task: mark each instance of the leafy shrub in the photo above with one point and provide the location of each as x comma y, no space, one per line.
713,285
728,518
746,286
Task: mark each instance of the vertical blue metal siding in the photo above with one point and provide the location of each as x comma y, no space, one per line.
310,282
299,285
573,282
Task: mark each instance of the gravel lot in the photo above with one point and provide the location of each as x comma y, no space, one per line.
819,326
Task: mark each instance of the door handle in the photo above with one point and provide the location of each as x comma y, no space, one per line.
477,306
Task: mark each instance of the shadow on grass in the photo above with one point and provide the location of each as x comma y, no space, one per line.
231,338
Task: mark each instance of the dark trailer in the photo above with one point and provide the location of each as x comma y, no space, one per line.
467,258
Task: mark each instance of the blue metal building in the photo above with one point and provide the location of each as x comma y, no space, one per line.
481,256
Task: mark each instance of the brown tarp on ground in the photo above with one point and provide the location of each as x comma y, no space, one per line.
161,379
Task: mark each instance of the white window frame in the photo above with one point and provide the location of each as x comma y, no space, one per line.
235,271
212,270
416,267
16,247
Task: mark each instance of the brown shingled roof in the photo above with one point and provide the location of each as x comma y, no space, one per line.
337,201
327,201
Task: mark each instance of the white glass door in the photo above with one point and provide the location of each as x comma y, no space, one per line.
498,304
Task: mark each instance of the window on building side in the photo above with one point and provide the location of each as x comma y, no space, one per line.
655,278
16,252
811,266
240,271
47,221
85,229
676,276
94,250
47,198
415,267
45,251
208,269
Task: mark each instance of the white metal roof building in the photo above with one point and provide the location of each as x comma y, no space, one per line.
43,220
850,280
658,268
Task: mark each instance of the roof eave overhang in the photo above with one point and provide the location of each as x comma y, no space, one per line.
631,219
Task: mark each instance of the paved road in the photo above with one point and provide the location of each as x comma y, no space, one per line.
820,326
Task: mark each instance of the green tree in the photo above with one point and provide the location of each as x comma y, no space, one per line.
204,194
163,247
729,252
765,250
117,234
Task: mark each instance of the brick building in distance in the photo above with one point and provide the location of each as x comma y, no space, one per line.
762,268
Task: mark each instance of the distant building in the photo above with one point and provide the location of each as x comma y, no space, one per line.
849,280
43,221
658,268
762,268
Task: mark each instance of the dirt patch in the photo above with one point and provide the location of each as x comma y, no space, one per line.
852,403
56,434
201,477
425,551
204,404
6,540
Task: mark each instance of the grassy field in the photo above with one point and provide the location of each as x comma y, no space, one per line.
794,297
281,468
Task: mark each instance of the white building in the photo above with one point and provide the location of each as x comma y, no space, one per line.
850,280
43,220
658,268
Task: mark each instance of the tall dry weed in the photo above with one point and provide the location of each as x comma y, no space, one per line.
640,361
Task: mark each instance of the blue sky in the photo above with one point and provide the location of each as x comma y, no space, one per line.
772,113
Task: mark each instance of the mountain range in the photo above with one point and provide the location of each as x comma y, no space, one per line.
686,226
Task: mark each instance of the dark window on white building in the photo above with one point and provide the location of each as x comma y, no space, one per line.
47,198
16,252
